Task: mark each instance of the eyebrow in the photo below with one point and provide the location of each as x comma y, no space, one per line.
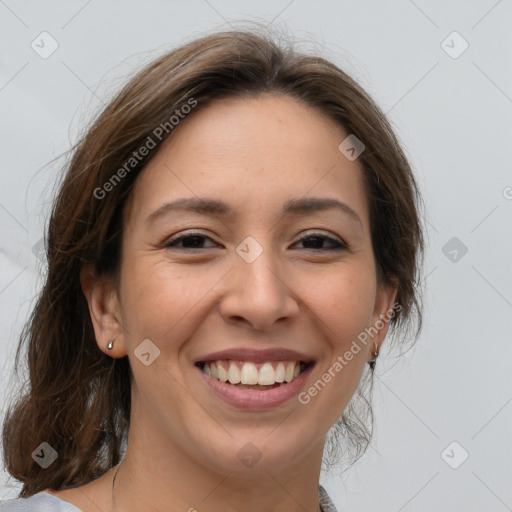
209,206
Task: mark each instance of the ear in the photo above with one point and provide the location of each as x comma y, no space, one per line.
384,310
104,309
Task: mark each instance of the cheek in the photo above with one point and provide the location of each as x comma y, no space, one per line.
157,296
344,308
346,302
158,301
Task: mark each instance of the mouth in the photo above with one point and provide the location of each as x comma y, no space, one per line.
255,381
254,376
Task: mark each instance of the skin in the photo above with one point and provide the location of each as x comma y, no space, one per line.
254,154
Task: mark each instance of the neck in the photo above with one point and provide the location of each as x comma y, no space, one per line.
157,475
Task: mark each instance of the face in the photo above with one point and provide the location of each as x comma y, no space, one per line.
248,277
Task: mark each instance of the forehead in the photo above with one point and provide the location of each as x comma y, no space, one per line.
256,153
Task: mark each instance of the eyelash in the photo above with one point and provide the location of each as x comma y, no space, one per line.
338,247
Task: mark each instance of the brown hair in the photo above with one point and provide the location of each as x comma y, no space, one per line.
78,399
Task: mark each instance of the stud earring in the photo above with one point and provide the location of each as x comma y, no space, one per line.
371,362
111,343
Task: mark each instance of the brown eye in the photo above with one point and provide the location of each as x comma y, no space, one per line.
316,241
190,241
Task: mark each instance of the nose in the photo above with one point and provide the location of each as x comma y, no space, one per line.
257,294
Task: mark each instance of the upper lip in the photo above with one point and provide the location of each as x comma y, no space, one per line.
256,355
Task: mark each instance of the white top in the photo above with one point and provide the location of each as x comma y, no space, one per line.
45,502
37,503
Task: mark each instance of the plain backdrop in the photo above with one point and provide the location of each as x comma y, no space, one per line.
442,71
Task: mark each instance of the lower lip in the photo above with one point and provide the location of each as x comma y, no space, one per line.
256,399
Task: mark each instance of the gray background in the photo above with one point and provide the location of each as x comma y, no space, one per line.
451,110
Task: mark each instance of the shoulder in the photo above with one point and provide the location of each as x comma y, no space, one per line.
42,502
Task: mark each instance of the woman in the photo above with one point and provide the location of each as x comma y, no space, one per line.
233,238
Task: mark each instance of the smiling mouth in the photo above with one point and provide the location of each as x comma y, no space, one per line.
255,376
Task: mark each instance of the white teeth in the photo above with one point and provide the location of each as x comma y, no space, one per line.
249,374
267,375
290,368
284,371
223,374
280,371
234,374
